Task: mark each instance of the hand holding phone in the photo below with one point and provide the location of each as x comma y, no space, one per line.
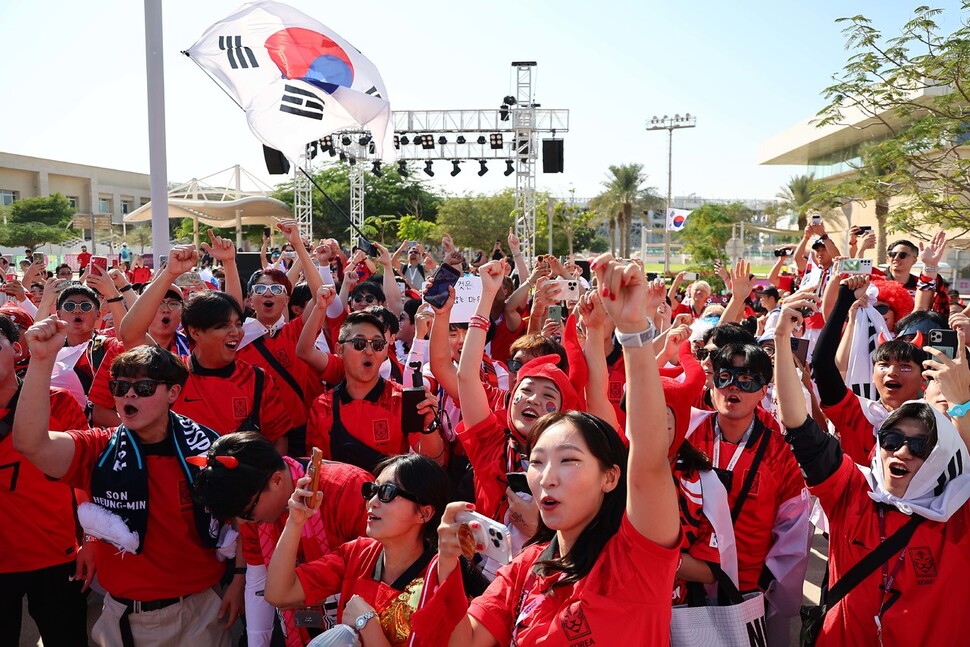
437,293
945,341
491,537
313,471
518,482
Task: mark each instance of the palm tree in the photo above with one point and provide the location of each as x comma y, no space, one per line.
798,196
875,178
140,235
624,191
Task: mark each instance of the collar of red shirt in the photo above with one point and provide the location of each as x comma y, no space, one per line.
373,396
225,371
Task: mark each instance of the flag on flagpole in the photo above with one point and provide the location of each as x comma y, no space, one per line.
296,79
677,218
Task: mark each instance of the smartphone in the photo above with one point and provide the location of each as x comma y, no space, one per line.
784,251
491,535
863,230
100,261
944,340
444,278
289,254
816,219
518,482
401,285
555,313
367,247
855,266
313,471
412,422
799,348
690,276
267,232
568,289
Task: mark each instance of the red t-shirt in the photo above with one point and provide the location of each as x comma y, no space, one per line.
620,601
222,399
141,275
173,561
931,579
344,517
615,390
697,528
83,259
856,434
487,451
777,480
375,420
503,339
282,346
38,514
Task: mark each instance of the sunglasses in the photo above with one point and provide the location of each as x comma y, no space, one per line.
386,492
369,298
71,306
143,388
514,365
359,343
740,377
899,255
703,353
883,309
273,288
892,441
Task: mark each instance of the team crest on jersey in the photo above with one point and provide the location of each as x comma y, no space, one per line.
382,432
924,566
282,357
240,408
185,495
616,391
573,622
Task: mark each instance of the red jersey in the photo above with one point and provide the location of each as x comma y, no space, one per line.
83,259
616,387
618,603
699,541
173,561
38,528
487,449
503,339
222,400
856,433
933,571
140,275
282,346
777,480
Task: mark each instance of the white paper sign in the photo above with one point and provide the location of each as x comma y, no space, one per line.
468,292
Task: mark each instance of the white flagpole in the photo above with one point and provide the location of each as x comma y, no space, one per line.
158,165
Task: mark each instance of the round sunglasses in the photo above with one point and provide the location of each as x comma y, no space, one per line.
892,441
143,388
359,343
369,298
71,306
273,288
386,492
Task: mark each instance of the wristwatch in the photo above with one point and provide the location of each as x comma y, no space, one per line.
362,620
636,339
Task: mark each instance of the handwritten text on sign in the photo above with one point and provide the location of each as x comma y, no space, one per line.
468,292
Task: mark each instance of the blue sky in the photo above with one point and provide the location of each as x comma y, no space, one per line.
74,79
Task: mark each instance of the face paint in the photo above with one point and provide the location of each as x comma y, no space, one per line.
550,407
517,399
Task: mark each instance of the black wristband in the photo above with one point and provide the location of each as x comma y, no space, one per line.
125,288
239,570
115,299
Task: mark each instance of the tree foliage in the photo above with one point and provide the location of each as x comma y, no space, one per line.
799,196
624,194
411,228
912,94
32,222
571,231
707,231
477,221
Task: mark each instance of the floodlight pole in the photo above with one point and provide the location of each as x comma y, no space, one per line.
670,124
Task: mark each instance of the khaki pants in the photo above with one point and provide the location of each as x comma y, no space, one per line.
194,621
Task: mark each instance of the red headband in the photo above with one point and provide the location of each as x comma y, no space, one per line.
204,460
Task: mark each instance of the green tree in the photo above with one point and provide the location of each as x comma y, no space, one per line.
624,192
571,230
411,228
477,221
140,235
910,93
707,231
32,222
798,196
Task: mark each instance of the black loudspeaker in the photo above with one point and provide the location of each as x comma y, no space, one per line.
276,162
552,155
247,263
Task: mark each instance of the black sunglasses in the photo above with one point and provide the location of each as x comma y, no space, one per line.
359,343
514,365
892,440
882,309
899,255
71,306
386,492
369,298
143,388
703,353
740,377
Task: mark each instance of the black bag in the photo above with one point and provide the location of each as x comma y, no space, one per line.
813,615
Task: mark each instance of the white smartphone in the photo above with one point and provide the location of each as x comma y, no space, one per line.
855,266
568,289
490,534
690,276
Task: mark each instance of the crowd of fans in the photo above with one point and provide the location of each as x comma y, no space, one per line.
643,449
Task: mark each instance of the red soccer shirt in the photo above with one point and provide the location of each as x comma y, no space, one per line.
173,561
931,578
616,387
503,339
282,347
83,259
856,434
487,451
618,603
38,514
222,399
777,480
698,531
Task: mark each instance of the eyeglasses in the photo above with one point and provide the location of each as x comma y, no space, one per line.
740,377
143,388
703,353
273,288
71,306
769,350
369,298
359,343
899,255
892,441
171,304
514,365
386,492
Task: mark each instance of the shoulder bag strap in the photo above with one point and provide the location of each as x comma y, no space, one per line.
257,394
755,464
260,345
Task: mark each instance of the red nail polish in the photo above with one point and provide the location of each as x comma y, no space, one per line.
612,297
606,292
469,506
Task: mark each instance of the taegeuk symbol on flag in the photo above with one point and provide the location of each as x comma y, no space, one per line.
296,79
677,218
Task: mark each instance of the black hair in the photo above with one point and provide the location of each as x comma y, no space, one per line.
537,346
75,290
367,287
691,458
391,324
278,276
228,491
411,308
899,350
903,241
756,360
918,317
728,333
921,412
299,297
359,317
9,329
63,265
427,481
205,310
605,445
150,361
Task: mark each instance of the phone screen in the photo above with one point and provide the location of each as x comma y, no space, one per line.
444,278
518,482
555,313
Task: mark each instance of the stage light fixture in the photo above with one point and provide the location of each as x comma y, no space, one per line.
503,112
404,140
509,169
312,149
455,168
343,157
495,141
427,142
460,140
481,140
377,171
345,140
364,140
483,170
442,140
397,142
351,160
402,168
427,167
510,100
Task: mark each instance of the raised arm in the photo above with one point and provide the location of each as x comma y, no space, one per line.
442,366
306,345
392,295
263,261
594,350
133,330
825,373
50,451
222,250
651,498
474,401
931,255
740,277
518,259
953,376
283,587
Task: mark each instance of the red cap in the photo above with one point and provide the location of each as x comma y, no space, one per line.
545,367
18,314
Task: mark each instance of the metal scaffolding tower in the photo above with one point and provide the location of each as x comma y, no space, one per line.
523,113
303,197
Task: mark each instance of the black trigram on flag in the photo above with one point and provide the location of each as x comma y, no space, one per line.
239,56
374,92
304,103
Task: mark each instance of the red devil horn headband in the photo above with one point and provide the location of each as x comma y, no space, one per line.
204,460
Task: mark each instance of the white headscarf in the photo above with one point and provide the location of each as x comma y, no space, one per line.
940,486
869,324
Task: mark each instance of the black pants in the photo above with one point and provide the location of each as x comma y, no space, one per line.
54,602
